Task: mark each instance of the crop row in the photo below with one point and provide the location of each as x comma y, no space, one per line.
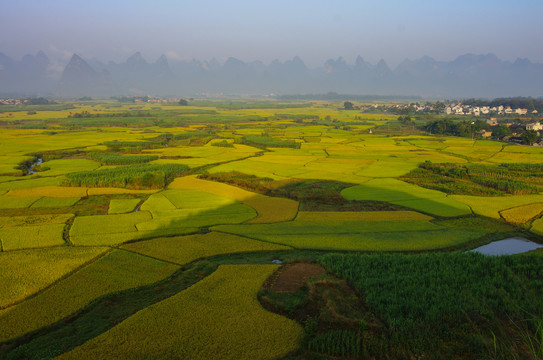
151,176
425,299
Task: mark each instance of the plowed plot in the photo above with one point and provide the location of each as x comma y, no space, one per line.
291,278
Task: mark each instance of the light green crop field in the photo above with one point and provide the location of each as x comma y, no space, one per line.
269,209
64,166
522,214
192,208
170,212
537,226
34,220
121,206
26,272
24,237
55,202
412,196
219,316
16,202
376,241
22,182
328,227
51,191
106,229
184,249
119,270
491,206
403,235
360,216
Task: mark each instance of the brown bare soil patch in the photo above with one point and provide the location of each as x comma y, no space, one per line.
292,277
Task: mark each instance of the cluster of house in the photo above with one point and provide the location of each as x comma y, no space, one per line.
11,101
459,109
157,100
516,128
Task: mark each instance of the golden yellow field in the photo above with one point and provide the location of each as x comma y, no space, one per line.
218,315
25,272
117,271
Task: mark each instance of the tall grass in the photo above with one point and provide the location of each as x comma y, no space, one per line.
150,176
432,299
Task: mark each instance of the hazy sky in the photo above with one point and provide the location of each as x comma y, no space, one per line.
315,30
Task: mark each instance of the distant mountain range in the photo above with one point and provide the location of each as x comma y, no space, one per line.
467,76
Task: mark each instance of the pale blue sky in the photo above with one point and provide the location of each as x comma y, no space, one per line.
315,30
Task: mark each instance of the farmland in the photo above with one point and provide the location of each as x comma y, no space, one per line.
143,231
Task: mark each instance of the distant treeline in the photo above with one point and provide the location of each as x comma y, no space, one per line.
341,97
515,103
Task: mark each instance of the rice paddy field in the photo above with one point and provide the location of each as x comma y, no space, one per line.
161,236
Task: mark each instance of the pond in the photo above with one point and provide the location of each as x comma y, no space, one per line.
508,246
31,168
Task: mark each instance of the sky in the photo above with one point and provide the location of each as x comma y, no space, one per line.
314,30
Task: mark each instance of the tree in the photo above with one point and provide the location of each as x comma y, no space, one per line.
501,132
348,105
529,137
183,102
405,120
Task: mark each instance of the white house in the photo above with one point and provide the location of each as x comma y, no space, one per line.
534,126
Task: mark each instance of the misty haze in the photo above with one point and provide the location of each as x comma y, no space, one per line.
468,75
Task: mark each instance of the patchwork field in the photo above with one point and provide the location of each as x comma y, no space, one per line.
222,307
149,231
117,271
48,266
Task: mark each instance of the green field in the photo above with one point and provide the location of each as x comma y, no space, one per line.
117,271
184,249
411,196
153,236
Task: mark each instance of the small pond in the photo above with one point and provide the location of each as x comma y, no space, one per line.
509,246
33,165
